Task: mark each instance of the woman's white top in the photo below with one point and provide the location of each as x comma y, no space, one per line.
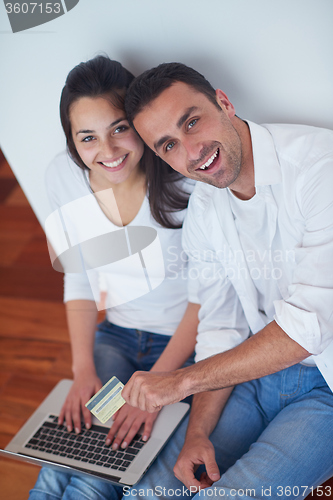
142,267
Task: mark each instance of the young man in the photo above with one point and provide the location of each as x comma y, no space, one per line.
259,235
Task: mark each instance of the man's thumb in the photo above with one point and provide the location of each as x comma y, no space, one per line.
213,471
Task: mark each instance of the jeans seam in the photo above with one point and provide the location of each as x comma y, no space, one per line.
285,397
48,493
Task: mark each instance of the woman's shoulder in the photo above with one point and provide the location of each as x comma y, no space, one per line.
65,181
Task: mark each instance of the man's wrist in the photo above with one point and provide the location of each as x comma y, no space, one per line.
187,380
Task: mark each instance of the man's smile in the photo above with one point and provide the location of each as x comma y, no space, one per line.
210,160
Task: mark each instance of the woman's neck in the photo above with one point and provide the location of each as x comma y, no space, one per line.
123,206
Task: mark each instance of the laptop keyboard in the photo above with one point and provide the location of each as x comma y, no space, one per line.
87,447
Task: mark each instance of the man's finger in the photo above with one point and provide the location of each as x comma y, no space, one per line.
212,469
184,471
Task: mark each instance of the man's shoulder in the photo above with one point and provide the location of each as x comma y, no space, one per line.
204,196
302,145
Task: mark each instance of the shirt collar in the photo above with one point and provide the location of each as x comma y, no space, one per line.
267,170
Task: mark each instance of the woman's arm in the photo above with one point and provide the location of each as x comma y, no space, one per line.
81,320
128,420
182,343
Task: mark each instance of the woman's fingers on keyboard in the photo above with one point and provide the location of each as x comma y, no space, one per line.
127,424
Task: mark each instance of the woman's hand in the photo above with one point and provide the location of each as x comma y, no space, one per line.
127,422
83,388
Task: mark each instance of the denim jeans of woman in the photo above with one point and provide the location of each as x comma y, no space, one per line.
118,351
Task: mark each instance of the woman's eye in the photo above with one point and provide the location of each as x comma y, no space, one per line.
88,138
169,146
120,129
192,123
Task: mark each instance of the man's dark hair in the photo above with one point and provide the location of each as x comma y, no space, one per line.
146,87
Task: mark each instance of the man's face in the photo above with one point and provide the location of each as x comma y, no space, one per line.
192,135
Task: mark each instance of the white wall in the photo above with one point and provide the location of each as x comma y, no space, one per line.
273,58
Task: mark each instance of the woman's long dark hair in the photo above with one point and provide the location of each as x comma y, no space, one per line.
102,76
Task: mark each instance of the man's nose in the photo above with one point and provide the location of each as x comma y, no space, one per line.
193,148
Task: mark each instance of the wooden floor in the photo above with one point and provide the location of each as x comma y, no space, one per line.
34,344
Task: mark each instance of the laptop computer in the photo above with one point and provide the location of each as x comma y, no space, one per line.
43,442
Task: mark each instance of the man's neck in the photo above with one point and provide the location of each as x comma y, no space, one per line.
244,187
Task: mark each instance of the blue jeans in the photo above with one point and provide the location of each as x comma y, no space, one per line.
118,351
273,439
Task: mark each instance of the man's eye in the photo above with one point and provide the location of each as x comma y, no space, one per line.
169,146
192,123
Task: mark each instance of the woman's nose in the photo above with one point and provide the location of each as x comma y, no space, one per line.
109,147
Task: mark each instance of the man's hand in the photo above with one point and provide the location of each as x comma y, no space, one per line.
127,422
150,391
83,388
197,450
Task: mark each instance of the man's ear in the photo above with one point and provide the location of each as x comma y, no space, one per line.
224,103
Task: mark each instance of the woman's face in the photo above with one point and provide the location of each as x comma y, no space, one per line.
104,140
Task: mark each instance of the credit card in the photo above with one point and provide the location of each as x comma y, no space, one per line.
107,400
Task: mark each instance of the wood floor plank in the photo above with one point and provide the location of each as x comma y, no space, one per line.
6,188
17,479
17,198
31,356
62,367
35,253
11,247
28,389
31,281
5,170
33,319
15,220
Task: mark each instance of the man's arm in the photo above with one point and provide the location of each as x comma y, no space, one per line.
198,449
269,351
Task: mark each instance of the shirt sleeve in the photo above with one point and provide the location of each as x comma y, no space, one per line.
307,314
222,321
76,285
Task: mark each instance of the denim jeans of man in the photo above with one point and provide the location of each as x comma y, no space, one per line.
274,439
118,351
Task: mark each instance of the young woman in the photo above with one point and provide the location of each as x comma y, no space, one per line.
112,181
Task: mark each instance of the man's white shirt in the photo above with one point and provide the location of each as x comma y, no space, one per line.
271,257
